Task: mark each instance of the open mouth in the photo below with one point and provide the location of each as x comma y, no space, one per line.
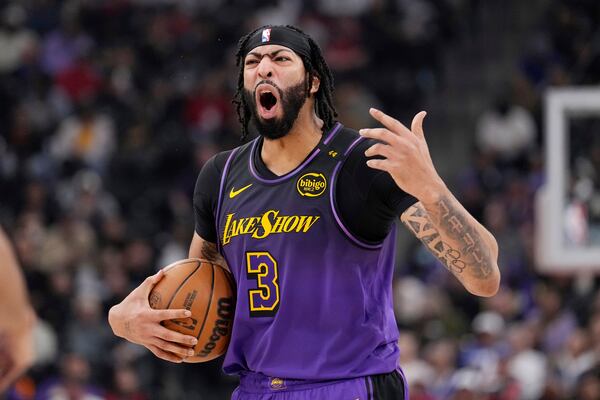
267,100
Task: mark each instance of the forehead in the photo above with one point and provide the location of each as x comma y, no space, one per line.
270,49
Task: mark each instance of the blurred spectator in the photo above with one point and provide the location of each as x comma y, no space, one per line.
68,243
87,333
588,386
555,323
353,102
526,364
465,384
207,108
18,43
126,385
506,130
576,358
484,353
79,82
86,139
442,357
417,371
63,46
73,382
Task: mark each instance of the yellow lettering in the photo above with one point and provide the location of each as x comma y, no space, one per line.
251,225
279,223
305,224
291,223
239,229
266,225
226,233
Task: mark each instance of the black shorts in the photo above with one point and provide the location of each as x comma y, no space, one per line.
389,386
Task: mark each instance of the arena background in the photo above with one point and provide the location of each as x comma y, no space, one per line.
109,108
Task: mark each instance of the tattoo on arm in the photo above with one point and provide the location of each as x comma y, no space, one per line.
468,250
209,252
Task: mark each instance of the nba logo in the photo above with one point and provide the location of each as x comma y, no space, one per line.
266,35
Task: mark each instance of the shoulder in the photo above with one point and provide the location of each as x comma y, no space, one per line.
217,162
209,176
357,145
377,185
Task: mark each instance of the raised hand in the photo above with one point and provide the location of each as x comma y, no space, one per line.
405,155
133,319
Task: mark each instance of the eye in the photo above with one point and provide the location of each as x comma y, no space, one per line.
282,58
251,61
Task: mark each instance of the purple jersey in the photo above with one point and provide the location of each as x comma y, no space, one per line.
313,301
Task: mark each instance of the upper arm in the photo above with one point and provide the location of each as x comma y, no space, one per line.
203,249
368,200
206,196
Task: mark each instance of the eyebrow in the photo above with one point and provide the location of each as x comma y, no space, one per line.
272,54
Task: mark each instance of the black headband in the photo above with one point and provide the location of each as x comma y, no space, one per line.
280,35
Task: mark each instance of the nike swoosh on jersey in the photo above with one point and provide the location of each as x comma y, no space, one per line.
234,193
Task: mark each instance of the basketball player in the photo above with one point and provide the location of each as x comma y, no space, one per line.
304,215
17,318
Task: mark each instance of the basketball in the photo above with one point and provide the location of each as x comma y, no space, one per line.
205,289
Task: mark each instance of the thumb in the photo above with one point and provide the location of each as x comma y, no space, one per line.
151,281
417,124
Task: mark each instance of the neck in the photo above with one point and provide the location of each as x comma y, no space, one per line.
284,154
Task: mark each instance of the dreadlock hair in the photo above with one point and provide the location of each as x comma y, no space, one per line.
315,66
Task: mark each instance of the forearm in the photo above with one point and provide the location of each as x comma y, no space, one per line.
14,300
463,245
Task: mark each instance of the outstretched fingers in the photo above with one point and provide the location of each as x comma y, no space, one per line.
417,124
389,122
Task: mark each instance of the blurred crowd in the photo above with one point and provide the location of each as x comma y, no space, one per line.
539,338
109,108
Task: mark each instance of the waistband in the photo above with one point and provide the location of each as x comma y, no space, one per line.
254,382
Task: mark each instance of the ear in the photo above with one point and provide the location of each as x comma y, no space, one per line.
315,84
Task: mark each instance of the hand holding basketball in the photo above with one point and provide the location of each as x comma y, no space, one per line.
405,155
133,319
208,291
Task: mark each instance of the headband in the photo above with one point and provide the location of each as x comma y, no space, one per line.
280,35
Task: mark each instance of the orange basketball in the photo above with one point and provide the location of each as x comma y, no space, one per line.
207,290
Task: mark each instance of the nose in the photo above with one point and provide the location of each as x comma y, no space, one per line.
265,68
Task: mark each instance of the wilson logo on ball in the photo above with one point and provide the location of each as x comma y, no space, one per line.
222,325
311,184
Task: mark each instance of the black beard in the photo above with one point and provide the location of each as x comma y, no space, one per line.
292,100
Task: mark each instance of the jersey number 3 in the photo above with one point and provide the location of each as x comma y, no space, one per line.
264,300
